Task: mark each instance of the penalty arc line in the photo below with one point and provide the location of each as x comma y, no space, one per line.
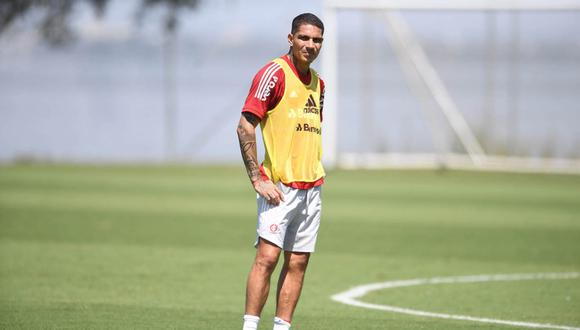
350,297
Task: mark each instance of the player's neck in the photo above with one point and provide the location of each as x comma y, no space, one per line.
302,68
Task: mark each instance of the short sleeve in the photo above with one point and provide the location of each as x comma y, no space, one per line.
266,91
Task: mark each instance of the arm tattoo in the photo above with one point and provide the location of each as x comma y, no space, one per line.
249,153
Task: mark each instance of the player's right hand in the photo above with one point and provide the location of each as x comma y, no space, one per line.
268,190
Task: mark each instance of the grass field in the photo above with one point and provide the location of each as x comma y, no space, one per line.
170,247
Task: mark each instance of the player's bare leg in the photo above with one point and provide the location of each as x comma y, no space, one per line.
290,283
258,285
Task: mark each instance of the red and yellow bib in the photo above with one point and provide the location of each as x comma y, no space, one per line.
292,131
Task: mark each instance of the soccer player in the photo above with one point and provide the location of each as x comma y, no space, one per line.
286,99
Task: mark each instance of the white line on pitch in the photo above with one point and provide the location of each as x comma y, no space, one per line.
350,297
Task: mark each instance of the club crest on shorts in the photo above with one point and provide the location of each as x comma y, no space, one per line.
274,228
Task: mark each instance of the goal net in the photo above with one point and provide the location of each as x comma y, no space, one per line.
491,85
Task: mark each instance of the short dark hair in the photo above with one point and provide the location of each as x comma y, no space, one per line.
306,18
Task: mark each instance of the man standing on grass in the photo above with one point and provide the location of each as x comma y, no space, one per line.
286,99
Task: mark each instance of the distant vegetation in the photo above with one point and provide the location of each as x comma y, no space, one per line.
52,17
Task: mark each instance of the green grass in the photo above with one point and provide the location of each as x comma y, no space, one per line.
169,247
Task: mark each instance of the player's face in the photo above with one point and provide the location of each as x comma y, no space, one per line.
305,43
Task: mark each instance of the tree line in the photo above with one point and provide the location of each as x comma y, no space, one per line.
53,17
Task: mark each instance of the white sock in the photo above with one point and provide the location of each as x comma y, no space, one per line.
251,322
280,324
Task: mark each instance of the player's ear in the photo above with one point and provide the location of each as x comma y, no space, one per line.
290,37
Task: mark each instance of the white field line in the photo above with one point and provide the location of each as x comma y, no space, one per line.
350,297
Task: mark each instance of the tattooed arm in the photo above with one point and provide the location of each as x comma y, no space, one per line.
247,138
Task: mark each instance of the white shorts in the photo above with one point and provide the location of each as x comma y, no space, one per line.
293,224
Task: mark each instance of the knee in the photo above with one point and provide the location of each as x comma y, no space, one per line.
266,263
298,263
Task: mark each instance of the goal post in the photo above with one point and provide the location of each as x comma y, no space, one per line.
425,83
453,4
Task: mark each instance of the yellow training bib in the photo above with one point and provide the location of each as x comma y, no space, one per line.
292,131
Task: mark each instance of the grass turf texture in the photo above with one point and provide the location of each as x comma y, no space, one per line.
170,247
